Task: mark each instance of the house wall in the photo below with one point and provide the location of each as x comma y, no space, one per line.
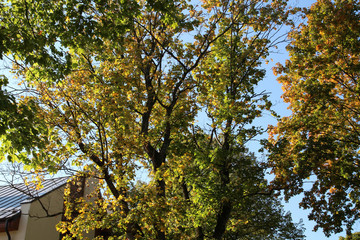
20,233
34,221
40,225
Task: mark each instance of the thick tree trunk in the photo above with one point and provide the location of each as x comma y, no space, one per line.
222,219
226,205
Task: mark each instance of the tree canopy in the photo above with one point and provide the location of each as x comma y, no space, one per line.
354,236
115,88
321,137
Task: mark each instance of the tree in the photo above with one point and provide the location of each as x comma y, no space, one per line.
118,93
321,137
354,236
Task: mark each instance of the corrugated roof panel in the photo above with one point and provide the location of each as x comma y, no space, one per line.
12,196
6,213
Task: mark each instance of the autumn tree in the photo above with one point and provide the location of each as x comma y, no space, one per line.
116,88
354,236
321,137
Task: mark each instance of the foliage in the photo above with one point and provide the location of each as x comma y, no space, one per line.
118,92
19,126
321,137
354,236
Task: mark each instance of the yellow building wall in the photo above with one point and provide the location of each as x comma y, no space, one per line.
40,225
35,223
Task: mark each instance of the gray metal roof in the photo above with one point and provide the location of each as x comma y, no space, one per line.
12,196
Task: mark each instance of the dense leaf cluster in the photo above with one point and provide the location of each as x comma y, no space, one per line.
115,89
321,138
